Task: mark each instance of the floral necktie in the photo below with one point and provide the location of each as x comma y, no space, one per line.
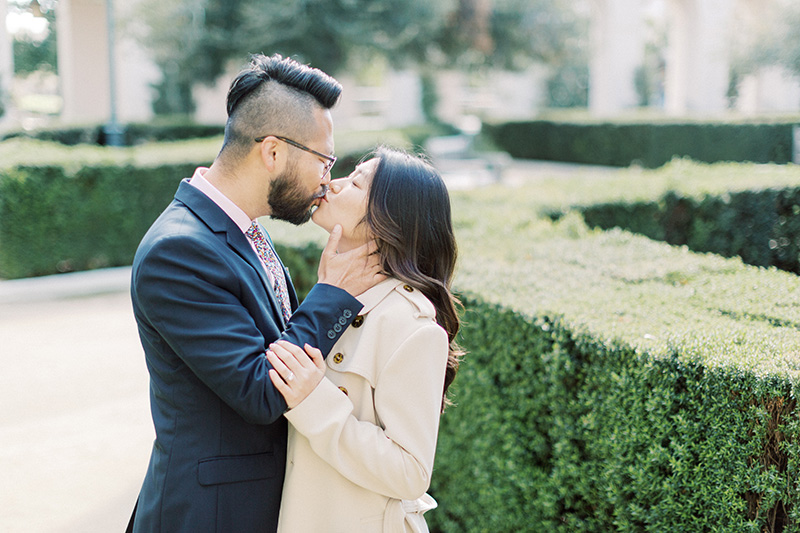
271,261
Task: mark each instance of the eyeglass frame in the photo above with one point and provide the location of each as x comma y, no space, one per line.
331,159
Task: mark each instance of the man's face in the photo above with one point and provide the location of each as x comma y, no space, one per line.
290,200
295,193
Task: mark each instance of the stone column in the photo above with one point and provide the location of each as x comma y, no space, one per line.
617,50
698,65
796,145
6,65
83,60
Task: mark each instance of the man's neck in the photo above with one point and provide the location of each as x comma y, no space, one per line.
235,185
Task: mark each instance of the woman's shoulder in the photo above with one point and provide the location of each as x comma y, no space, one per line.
399,300
393,313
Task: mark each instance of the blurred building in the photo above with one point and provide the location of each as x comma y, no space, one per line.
696,65
682,46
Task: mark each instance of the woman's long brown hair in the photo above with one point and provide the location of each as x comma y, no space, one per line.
408,214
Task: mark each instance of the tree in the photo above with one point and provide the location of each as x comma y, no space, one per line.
767,39
789,44
31,54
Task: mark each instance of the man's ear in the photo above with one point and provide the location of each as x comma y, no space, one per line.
272,153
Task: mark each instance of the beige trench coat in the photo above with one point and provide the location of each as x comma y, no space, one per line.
361,445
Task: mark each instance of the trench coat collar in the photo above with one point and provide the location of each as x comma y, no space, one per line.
374,295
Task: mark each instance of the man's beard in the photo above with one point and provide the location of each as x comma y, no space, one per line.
288,201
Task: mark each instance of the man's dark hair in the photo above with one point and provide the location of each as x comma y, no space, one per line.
275,95
285,71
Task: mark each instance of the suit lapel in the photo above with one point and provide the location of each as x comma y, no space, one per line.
219,222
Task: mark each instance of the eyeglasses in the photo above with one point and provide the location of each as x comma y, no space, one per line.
329,159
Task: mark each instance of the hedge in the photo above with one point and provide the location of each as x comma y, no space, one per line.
178,129
647,144
78,208
762,227
612,383
615,383
746,210
54,221
133,133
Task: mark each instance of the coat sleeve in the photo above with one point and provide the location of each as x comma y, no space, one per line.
396,460
191,295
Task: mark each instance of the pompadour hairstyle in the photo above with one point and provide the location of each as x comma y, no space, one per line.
286,71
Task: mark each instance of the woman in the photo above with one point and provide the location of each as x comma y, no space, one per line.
363,424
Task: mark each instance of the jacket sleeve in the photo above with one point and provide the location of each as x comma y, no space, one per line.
322,318
396,460
191,295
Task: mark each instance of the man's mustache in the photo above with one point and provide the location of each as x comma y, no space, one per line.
322,192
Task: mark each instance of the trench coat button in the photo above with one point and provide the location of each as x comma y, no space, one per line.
408,288
357,321
344,391
338,358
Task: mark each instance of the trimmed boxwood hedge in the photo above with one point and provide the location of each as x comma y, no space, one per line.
133,133
732,209
615,383
648,144
760,226
558,431
56,221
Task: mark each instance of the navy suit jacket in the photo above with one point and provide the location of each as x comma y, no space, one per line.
206,313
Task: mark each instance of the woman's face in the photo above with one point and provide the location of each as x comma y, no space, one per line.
346,205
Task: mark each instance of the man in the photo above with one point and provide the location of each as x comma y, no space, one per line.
210,295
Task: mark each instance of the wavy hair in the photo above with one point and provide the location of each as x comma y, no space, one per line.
408,215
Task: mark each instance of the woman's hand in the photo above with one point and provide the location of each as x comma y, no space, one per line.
295,373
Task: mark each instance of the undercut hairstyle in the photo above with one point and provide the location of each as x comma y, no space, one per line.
275,95
408,214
